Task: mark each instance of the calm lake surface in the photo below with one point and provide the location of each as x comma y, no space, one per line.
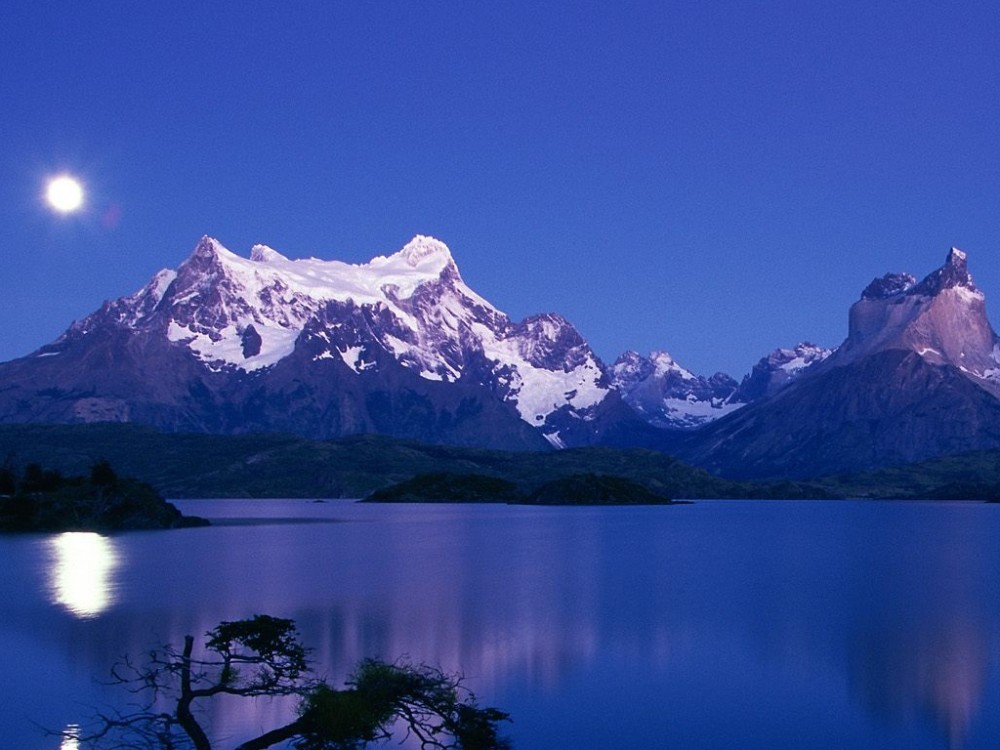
748,625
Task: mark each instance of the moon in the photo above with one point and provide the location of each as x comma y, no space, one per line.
64,193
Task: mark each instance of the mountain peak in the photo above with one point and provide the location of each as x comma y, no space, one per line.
205,248
265,254
209,256
208,247
662,360
954,273
779,369
942,319
422,249
889,286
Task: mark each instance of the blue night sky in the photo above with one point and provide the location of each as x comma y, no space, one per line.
716,179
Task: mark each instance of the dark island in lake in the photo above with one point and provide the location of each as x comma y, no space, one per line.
448,487
595,489
575,489
44,500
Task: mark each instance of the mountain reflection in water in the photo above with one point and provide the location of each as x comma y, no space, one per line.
716,625
937,674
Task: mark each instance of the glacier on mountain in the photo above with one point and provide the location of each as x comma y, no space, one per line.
779,369
412,304
242,317
668,395
401,346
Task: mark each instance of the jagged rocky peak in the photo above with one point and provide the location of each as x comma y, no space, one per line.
209,248
144,302
942,319
798,357
954,273
668,395
549,340
629,359
209,260
663,363
629,369
778,369
889,286
549,329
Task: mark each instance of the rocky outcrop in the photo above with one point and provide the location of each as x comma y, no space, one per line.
917,377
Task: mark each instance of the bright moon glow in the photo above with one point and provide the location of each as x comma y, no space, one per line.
64,194
81,572
71,738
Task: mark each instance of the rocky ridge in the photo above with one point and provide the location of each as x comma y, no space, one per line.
402,346
918,376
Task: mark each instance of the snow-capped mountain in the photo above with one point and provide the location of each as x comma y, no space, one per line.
246,320
669,396
232,312
777,370
918,376
672,397
402,346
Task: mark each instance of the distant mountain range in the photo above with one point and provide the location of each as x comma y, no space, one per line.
401,346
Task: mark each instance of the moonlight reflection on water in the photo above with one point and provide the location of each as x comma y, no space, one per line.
81,575
720,624
70,739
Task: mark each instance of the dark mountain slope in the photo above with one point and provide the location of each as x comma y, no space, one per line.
890,408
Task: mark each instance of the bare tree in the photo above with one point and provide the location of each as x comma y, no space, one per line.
262,656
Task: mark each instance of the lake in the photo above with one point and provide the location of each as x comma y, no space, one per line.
721,624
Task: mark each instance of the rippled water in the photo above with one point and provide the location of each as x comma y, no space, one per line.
715,625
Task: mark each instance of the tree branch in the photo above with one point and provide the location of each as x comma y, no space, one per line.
275,736
262,656
184,716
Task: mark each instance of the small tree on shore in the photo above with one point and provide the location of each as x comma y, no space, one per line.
262,656
102,475
8,479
